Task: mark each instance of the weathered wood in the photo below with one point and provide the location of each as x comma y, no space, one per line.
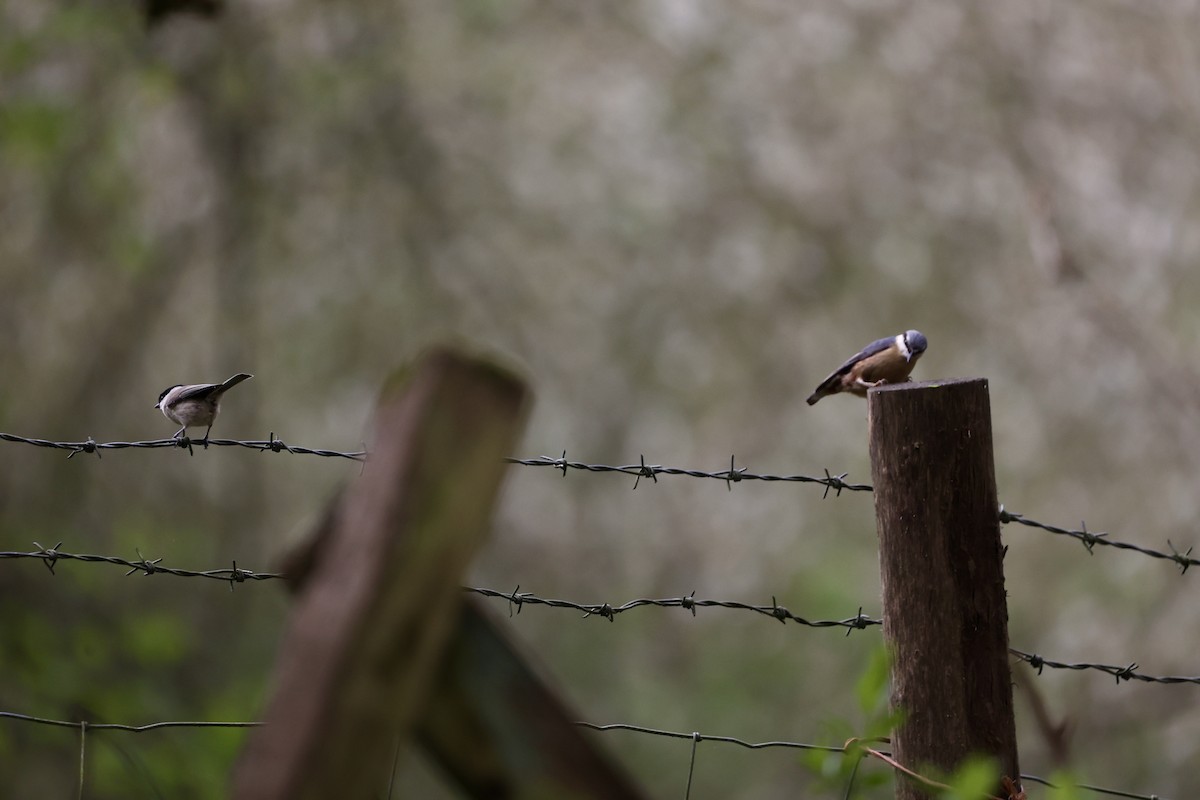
499,731
371,622
944,611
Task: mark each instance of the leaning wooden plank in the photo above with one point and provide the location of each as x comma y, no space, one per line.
499,731
374,614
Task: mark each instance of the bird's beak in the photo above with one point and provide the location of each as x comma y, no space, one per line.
156,405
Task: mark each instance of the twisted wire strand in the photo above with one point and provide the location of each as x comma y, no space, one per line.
50,556
1090,540
1126,673
517,599
734,474
273,444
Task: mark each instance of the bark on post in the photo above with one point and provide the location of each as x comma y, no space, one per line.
945,617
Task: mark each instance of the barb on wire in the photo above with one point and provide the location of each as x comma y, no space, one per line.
734,474
1090,540
689,602
1127,673
271,443
50,556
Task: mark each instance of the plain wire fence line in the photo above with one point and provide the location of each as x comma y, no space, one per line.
836,483
84,725
694,737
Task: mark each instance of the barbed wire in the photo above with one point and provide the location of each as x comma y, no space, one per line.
1090,540
689,602
695,737
271,443
1127,673
50,556
609,611
734,474
838,483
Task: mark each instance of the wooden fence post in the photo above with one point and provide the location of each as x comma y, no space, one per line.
944,611
383,647
381,599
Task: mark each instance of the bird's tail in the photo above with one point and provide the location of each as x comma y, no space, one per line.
234,381
827,387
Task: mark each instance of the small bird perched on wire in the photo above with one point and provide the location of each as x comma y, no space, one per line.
195,404
888,360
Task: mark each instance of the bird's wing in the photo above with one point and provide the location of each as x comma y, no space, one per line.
196,390
827,386
874,347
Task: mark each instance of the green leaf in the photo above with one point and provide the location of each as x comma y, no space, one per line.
872,686
974,779
1065,787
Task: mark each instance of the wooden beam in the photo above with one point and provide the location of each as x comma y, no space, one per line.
498,731
373,617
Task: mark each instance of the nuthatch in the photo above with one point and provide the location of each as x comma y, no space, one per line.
195,404
883,361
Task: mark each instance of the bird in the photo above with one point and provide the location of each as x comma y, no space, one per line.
196,404
887,360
